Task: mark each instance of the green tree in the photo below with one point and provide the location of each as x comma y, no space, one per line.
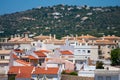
115,57
99,65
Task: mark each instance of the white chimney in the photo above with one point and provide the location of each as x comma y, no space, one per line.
19,71
33,70
26,35
76,36
54,36
46,68
11,36
50,36
18,35
15,35
82,35
22,35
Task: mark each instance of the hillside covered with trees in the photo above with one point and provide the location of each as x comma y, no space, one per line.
63,20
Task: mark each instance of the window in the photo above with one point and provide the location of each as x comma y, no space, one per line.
100,78
83,51
2,57
108,78
79,51
88,51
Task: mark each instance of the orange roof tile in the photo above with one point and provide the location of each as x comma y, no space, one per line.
42,51
40,54
86,37
25,40
31,57
42,37
47,71
18,51
66,52
23,62
113,37
104,42
14,56
21,71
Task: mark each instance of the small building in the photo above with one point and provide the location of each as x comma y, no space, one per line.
33,73
103,74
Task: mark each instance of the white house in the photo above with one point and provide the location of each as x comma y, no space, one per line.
81,50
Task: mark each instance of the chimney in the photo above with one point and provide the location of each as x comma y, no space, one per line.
67,37
54,36
15,35
18,35
40,34
50,36
22,35
103,35
82,35
19,71
6,40
76,36
46,67
26,35
11,36
33,70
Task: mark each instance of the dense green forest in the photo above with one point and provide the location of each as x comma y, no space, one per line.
63,20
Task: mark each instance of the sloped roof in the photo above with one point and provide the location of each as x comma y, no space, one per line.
14,56
39,70
18,51
31,57
23,62
104,42
40,54
66,52
21,71
86,37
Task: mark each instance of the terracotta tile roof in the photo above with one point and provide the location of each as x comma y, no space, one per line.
46,71
113,37
18,51
40,54
68,37
31,57
66,52
104,42
42,37
14,39
86,37
21,71
14,56
25,39
23,62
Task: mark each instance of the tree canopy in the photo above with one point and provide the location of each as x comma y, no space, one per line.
115,57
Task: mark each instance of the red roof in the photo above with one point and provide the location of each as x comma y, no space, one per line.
66,52
43,51
18,51
14,56
23,62
40,54
46,71
31,57
21,71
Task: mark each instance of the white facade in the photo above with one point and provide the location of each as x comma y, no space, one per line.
42,46
23,46
82,51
